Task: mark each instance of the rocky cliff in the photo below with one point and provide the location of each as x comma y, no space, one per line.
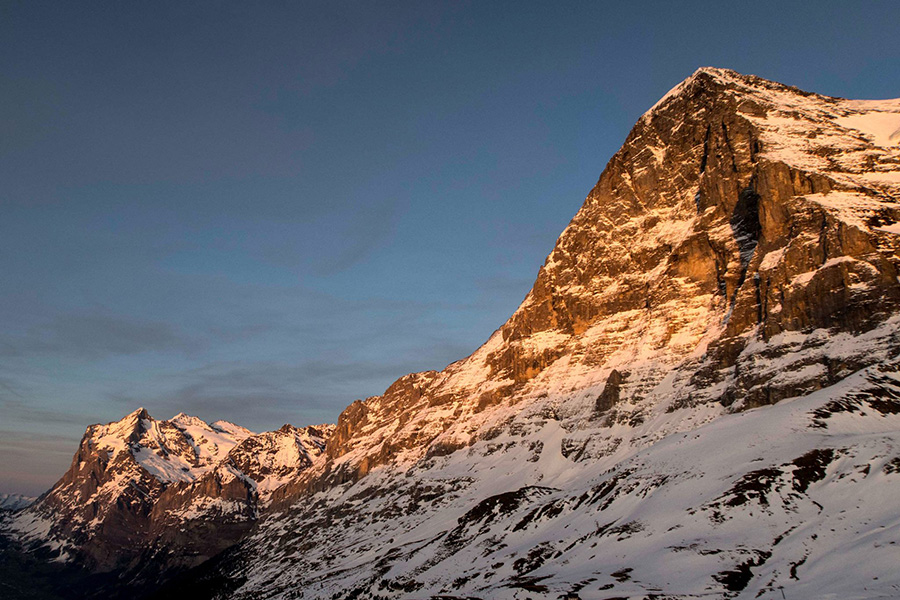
698,397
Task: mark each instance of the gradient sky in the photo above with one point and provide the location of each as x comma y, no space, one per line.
260,213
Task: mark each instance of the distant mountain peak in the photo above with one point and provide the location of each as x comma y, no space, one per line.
182,417
13,502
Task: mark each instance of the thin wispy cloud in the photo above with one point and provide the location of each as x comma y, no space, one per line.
92,336
367,227
21,411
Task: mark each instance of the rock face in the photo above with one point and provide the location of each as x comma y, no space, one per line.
740,249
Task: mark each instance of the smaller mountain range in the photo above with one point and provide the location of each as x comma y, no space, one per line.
180,486
15,501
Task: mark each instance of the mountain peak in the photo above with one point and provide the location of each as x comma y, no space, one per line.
718,74
741,248
684,252
139,413
722,82
714,71
231,428
703,75
185,420
116,435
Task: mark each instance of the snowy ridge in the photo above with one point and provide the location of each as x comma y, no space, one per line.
275,458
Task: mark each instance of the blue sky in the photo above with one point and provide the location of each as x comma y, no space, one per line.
261,213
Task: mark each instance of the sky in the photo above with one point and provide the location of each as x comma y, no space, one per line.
260,212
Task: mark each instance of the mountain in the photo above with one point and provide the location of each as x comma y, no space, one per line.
145,496
15,501
700,396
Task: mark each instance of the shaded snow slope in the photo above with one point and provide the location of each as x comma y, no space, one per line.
800,495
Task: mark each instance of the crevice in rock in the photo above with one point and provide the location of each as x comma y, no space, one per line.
745,223
755,149
823,238
734,168
705,150
746,228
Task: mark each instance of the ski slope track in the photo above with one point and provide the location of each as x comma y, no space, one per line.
699,398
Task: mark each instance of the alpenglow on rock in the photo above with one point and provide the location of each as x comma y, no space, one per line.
698,398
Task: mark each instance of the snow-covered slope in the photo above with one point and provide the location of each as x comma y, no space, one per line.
801,495
698,397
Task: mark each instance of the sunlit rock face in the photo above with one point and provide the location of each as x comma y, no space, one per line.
737,210
739,252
